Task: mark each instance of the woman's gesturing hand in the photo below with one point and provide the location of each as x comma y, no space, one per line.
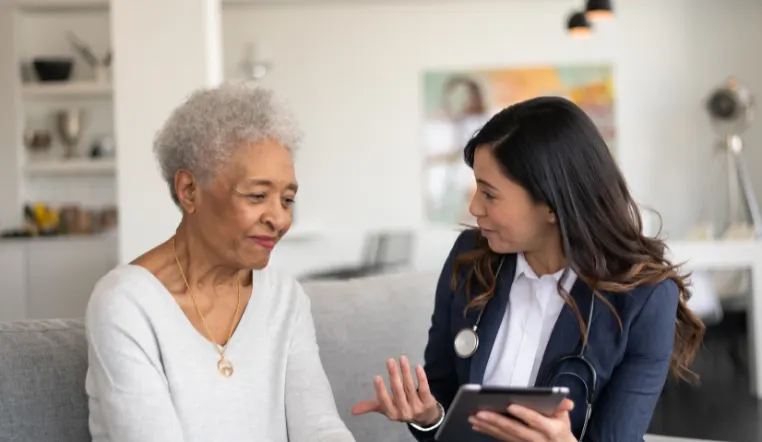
406,403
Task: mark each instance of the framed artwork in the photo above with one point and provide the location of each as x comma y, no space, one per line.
458,103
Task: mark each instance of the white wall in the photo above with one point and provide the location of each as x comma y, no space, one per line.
352,71
155,69
721,37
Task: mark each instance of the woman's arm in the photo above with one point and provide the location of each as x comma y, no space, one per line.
311,413
440,355
625,408
125,379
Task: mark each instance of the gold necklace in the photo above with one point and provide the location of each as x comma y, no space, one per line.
223,365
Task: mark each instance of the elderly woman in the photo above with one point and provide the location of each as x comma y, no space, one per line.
197,340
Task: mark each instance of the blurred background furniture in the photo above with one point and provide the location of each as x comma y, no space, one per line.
383,252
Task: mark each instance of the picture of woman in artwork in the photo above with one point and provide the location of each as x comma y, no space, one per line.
463,110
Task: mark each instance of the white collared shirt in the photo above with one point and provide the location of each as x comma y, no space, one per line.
533,308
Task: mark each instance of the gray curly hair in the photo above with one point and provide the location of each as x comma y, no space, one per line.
204,132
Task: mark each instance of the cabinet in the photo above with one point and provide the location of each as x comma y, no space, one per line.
13,280
52,277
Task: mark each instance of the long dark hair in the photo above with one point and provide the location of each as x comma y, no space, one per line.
551,148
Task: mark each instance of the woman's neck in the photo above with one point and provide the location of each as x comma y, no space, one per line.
202,267
546,261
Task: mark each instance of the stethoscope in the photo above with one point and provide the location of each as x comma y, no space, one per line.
467,342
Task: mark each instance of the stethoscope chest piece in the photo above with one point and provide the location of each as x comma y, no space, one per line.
466,342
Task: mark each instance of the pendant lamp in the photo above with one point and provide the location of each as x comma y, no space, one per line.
598,10
578,26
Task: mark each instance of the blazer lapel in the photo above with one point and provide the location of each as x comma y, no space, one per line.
493,315
566,337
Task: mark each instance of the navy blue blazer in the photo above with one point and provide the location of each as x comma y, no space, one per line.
632,364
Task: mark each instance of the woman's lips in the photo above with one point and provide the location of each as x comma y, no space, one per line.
487,232
267,242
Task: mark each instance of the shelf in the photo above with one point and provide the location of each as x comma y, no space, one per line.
71,167
64,89
60,5
717,254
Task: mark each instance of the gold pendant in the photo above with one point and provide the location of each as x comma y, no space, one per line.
225,367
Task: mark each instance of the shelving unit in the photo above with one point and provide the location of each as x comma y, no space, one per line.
74,167
38,28
59,5
66,89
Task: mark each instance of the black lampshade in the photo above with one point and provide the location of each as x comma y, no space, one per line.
598,10
578,25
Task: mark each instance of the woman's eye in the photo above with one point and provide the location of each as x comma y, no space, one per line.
488,195
256,197
288,201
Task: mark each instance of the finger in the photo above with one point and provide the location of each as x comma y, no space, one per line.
497,426
532,419
400,399
491,430
407,381
511,428
423,386
364,407
382,395
565,406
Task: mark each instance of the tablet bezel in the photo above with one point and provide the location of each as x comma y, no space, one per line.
471,398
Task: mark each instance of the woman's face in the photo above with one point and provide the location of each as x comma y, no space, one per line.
459,101
508,218
247,208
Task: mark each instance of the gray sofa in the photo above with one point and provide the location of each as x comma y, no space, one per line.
359,324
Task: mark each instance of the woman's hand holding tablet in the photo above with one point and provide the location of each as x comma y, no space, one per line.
509,414
526,424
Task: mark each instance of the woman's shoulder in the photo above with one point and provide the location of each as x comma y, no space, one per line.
122,292
126,279
280,298
663,292
648,301
278,288
276,281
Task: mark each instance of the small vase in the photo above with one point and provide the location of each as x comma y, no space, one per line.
101,73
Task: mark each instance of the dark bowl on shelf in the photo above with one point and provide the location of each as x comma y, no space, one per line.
53,69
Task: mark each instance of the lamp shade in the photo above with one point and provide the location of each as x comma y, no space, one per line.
598,10
577,25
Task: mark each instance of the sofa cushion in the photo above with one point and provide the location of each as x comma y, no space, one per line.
359,324
42,381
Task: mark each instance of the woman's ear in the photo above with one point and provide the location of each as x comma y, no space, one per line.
187,190
552,216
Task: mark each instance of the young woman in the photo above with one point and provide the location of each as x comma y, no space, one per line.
557,287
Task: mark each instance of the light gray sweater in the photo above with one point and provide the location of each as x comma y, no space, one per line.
153,377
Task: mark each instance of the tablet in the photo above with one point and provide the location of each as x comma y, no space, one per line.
472,398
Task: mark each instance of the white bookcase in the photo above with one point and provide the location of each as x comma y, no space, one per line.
38,28
52,276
